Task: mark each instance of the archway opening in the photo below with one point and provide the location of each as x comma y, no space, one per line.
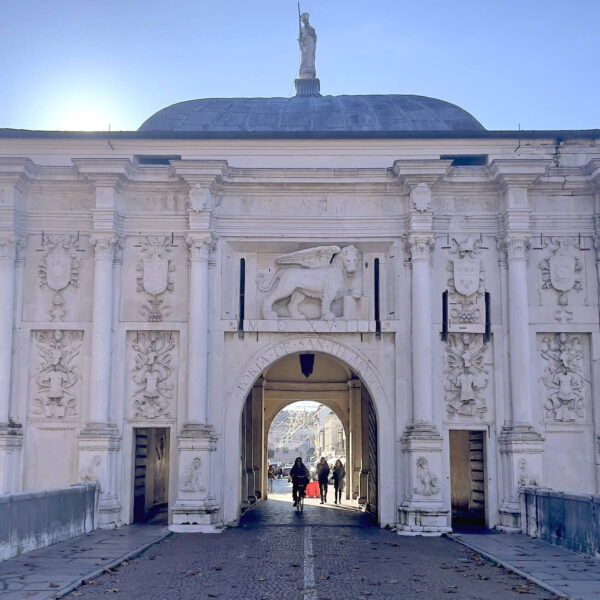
323,410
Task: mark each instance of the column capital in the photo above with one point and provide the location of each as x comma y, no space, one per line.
420,247
104,246
516,247
201,245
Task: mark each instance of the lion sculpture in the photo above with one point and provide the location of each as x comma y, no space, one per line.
322,274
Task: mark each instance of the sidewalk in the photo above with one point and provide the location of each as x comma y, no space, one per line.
562,571
55,571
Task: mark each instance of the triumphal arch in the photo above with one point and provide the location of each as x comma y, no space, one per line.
163,291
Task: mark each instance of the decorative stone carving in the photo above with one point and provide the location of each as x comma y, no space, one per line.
201,245
59,269
427,483
152,374
104,246
191,480
58,373
155,275
516,247
8,246
325,274
91,473
466,287
420,247
420,195
563,377
466,376
561,270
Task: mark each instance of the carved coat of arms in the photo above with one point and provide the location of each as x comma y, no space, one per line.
59,269
154,275
466,275
561,268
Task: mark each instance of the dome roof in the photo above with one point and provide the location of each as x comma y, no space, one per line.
328,115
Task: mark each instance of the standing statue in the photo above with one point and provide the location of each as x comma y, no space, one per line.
307,38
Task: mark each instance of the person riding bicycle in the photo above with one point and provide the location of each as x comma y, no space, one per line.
300,476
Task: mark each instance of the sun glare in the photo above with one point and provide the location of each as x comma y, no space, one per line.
84,120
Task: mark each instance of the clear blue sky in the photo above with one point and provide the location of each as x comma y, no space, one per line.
82,64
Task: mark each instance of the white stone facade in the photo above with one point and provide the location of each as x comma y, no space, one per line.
120,295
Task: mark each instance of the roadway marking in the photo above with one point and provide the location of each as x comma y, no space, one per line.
310,593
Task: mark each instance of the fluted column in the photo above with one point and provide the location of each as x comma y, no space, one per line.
422,361
104,247
518,323
200,246
7,294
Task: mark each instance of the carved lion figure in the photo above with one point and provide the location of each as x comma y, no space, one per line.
323,275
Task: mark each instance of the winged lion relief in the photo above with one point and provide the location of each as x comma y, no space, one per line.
323,273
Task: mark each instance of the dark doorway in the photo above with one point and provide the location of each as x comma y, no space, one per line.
467,479
151,483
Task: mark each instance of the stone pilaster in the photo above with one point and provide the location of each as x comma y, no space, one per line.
422,509
520,444
100,440
200,245
7,294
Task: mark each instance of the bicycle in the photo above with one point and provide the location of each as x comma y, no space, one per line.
301,483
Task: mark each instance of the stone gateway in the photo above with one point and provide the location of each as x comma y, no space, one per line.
159,286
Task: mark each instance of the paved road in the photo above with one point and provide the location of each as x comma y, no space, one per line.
326,552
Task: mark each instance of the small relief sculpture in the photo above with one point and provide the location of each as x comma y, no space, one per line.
324,274
427,482
466,286
57,374
561,271
155,275
91,474
563,377
59,269
466,372
191,480
152,373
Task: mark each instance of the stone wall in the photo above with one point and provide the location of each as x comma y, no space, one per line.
31,520
571,520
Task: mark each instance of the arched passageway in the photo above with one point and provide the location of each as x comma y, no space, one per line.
320,378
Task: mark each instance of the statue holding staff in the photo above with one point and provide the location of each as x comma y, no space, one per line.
307,38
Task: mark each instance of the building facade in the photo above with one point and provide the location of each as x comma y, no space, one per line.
164,290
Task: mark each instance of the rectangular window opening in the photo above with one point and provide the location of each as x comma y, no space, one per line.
466,160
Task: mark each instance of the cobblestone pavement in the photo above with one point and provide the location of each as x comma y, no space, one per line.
326,552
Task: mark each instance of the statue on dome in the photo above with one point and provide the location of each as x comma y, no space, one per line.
307,38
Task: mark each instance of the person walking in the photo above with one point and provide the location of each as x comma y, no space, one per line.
339,473
323,477
271,477
300,476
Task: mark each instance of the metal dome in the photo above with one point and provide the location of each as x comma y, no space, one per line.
328,115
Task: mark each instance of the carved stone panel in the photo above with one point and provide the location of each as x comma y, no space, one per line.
466,374
427,483
152,379
314,288
564,376
561,272
58,270
56,374
155,276
466,286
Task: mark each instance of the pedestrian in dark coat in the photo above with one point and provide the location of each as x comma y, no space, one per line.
339,473
323,477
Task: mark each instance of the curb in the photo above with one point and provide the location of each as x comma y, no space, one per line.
509,566
110,565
